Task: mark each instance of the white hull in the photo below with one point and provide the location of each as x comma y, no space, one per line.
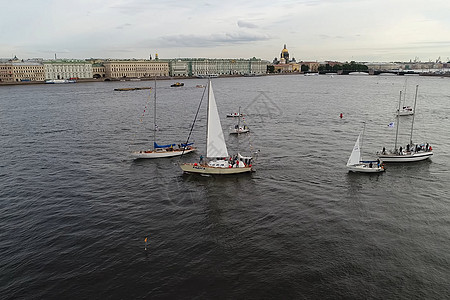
208,170
407,157
239,131
160,154
364,168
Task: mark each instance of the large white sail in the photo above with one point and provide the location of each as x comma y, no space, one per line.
355,157
215,146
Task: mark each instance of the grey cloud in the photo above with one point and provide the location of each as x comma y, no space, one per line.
246,24
212,40
123,26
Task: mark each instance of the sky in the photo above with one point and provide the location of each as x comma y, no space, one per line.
313,30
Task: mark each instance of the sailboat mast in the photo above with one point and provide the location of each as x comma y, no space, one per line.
362,140
154,117
207,114
239,127
414,114
398,118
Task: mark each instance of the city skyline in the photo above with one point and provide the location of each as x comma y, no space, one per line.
313,30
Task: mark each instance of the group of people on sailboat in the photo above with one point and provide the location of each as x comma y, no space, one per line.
231,162
411,148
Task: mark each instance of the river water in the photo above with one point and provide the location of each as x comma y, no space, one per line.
76,208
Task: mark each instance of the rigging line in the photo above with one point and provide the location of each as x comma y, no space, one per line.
141,121
195,118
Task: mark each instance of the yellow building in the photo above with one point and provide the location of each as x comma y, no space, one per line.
21,71
135,68
313,66
98,70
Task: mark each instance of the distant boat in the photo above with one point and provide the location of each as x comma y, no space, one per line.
216,149
238,129
162,151
358,73
207,75
412,152
311,74
133,89
60,81
235,115
356,164
177,84
406,110
200,86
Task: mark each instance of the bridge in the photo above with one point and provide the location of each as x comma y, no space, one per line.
374,72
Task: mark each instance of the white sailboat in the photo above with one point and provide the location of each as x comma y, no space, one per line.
219,163
162,151
356,164
412,152
238,129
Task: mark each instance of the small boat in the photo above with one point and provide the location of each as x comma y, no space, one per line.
207,75
60,81
356,164
358,73
235,115
238,129
133,89
177,84
162,151
406,111
412,152
200,86
216,149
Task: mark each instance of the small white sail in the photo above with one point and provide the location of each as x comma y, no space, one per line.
355,157
215,146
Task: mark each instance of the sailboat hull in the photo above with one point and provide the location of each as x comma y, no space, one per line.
408,157
161,154
364,168
204,169
239,131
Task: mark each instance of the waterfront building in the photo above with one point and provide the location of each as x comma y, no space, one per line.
67,69
383,66
178,68
207,67
98,70
310,66
284,64
16,70
135,68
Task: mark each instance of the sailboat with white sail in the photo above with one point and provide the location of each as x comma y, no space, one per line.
163,151
412,152
217,161
355,162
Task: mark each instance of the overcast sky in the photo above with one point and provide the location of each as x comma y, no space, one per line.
316,30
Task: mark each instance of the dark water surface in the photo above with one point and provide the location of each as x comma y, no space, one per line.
75,207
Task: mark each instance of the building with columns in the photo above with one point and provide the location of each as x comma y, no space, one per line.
66,69
135,68
205,67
